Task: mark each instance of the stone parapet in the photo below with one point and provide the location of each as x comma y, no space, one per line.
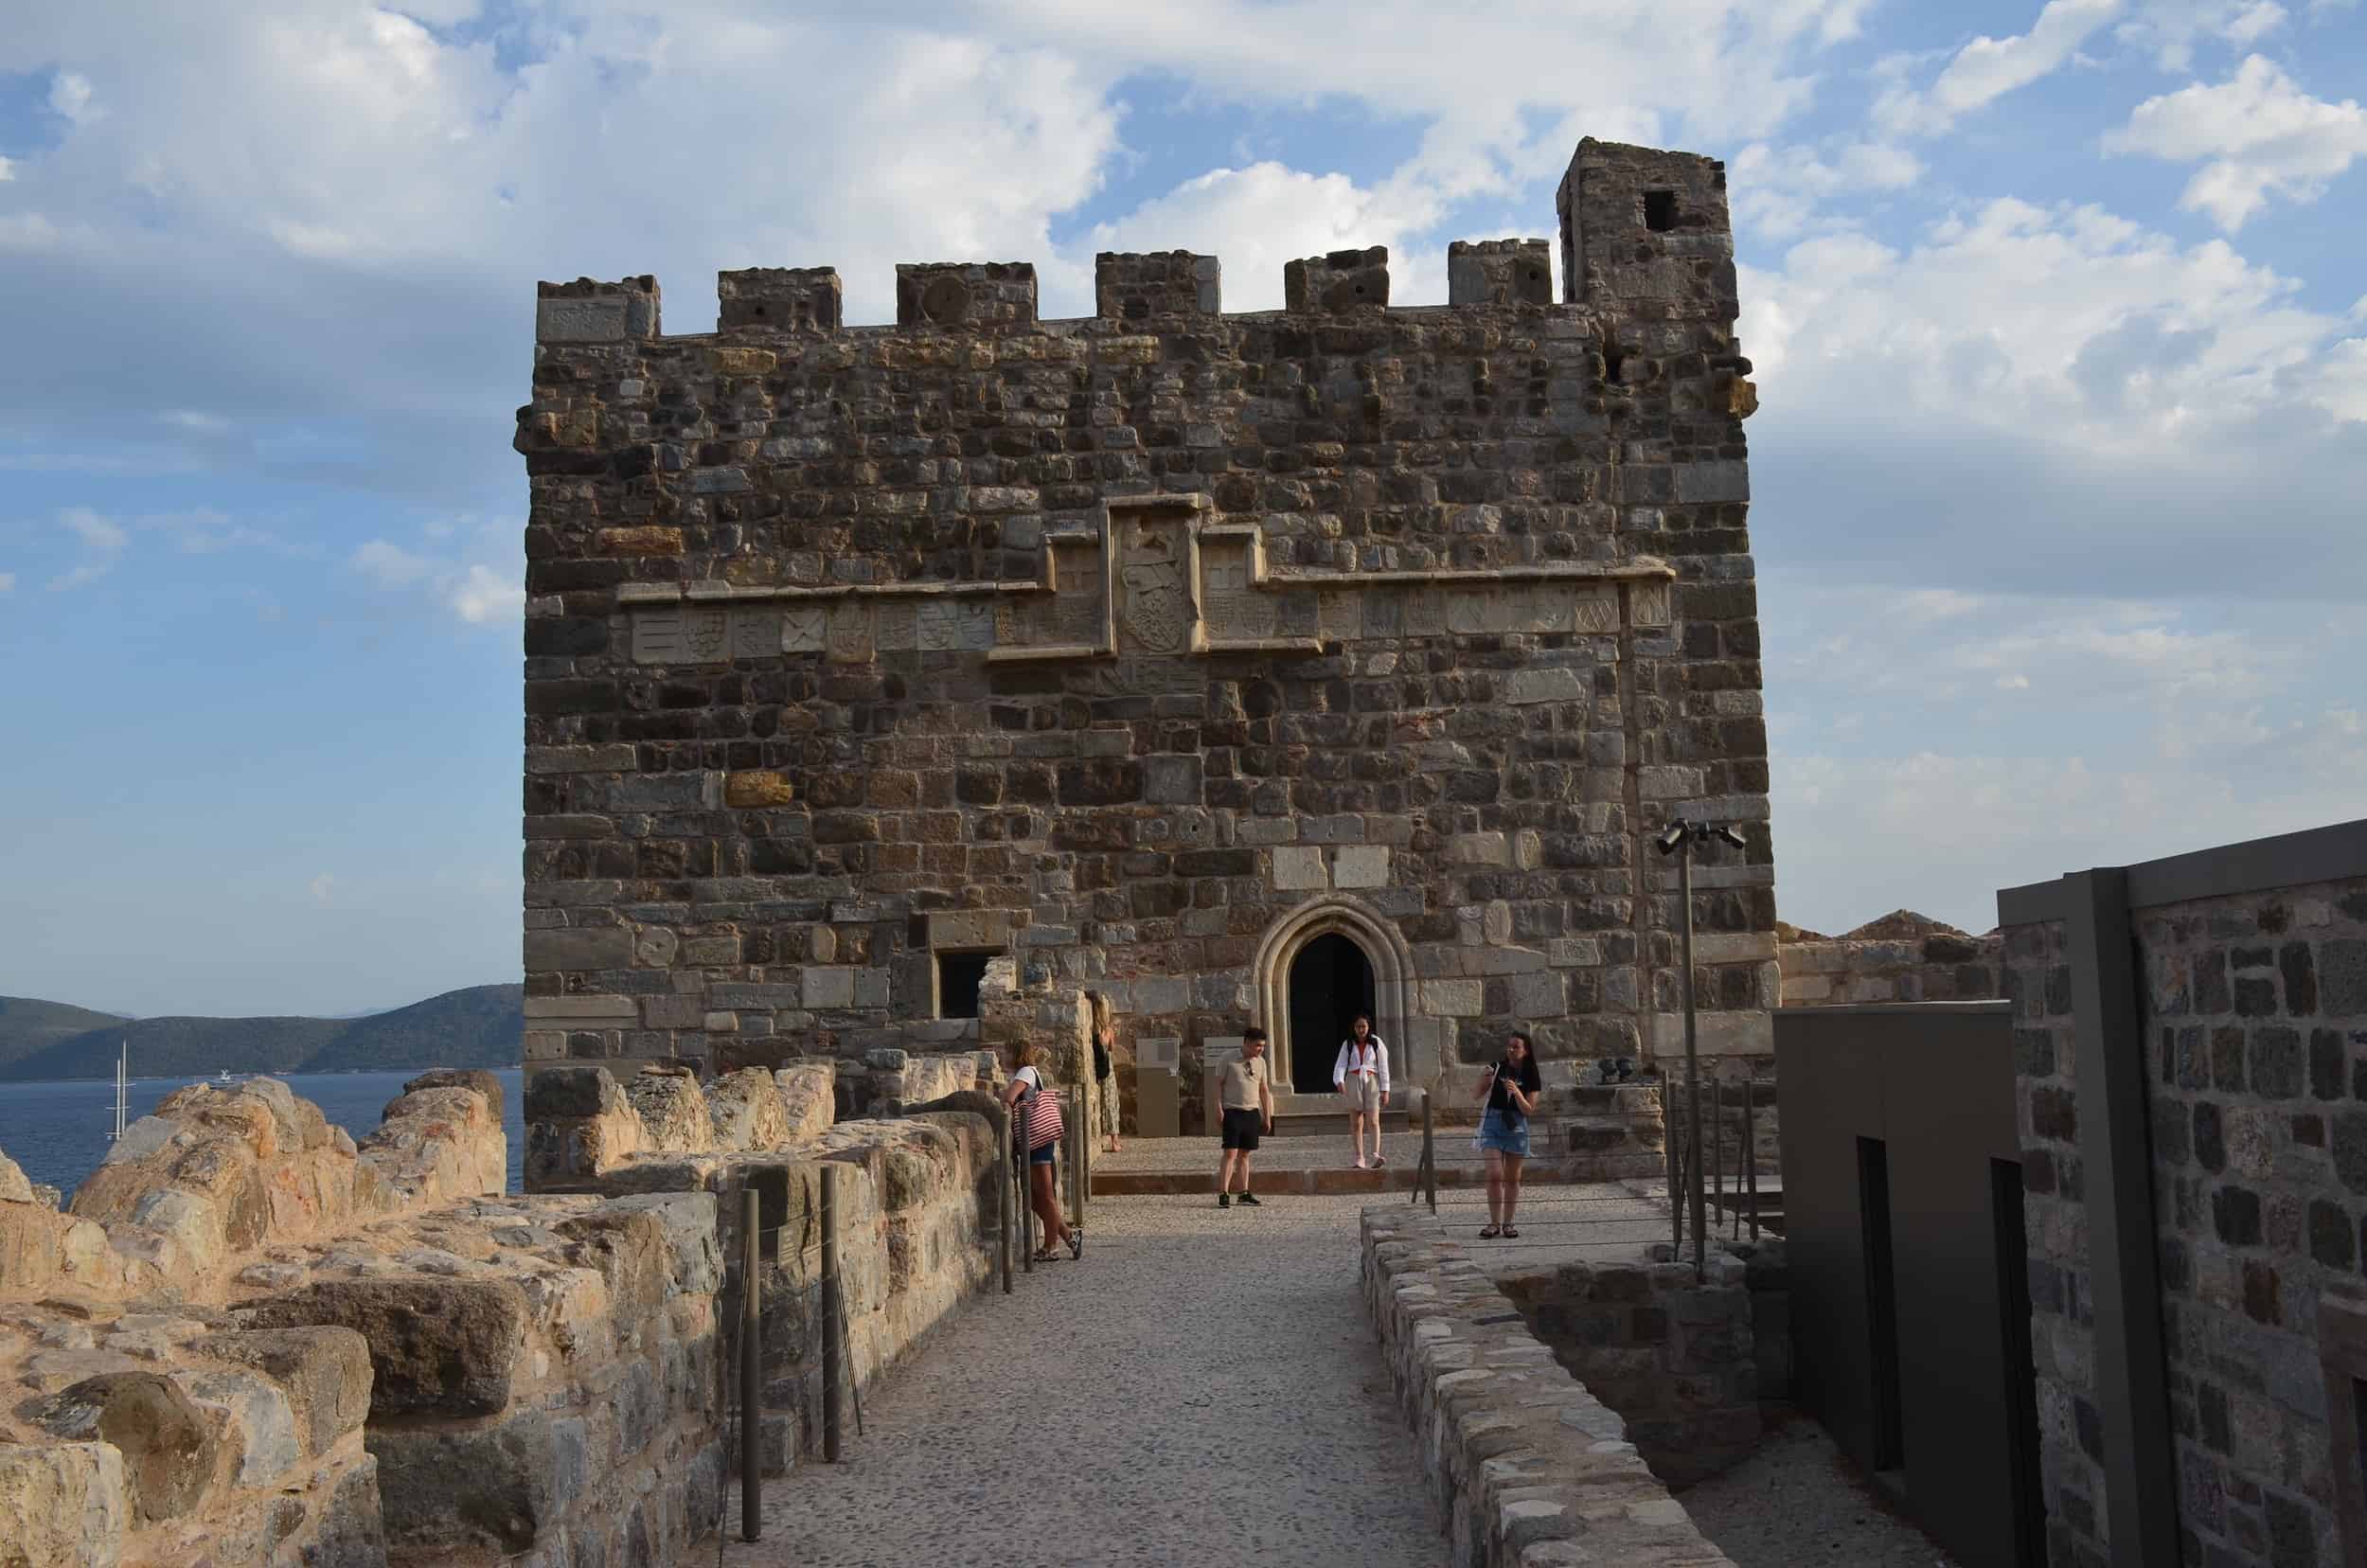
405,1374
1527,1465
1901,957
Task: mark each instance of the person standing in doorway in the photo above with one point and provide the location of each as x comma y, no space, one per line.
1361,1076
1510,1090
1037,1113
1245,1097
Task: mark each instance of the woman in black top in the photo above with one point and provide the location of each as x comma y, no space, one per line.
1511,1089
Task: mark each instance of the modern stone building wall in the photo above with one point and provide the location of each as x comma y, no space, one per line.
2248,1020
1146,648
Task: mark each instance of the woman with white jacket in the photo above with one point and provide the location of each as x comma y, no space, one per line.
1361,1076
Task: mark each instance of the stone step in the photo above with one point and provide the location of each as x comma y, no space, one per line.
1457,1168
1332,1124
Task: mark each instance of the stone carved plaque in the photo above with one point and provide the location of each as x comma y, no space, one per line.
709,633
1648,603
1074,615
849,636
895,627
661,636
1598,610
1234,611
755,632
803,627
933,628
1155,605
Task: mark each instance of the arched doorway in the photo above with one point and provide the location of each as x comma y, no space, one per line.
1389,965
1332,981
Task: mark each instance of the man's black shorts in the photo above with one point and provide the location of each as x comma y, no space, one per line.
1241,1128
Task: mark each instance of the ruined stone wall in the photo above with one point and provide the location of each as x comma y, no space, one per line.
352,1356
1527,1465
918,1196
2254,1016
1145,646
1901,957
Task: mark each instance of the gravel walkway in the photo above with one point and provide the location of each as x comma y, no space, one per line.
1797,1503
1201,1390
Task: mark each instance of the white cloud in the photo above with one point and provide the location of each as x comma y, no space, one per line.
2171,28
102,542
321,886
1780,191
2256,134
7,170
1987,68
482,594
390,566
2013,683
70,96
8,582
474,591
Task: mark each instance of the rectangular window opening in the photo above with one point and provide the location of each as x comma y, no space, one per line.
1659,210
959,975
1874,1212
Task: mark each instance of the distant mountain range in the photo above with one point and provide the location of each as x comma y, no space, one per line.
479,1027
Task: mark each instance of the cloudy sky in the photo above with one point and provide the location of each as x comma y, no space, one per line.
2056,310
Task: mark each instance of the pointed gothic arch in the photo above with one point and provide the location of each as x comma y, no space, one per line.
1384,948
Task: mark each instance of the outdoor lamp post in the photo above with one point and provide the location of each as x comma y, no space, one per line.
1678,839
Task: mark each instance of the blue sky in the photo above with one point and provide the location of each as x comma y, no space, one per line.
2060,332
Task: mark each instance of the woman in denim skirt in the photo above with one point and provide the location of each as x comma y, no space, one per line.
1511,1089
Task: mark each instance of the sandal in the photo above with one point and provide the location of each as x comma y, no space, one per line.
1075,1243
1492,1233
1511,1233
1045,1255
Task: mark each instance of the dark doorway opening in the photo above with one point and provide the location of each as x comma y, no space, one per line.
1881,1301
1332,981
2021,1389
959,975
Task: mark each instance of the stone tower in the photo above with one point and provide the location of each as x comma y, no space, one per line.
1237,667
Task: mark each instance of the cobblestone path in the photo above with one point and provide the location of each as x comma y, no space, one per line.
1201,1390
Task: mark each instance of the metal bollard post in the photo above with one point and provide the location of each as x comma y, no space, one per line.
1429,1156
1718,1143
1750,1146
1023,1189
751,1361
1668,1145
1076,1157
1002,1202
831,1309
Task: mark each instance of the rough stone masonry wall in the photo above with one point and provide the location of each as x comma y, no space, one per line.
1676,1357
1527,1466
848,646
372,1367
2255,1016
1901,957
918,1196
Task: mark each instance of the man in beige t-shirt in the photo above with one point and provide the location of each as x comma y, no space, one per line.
1245,1099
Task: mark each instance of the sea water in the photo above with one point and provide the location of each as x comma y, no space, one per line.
58,1132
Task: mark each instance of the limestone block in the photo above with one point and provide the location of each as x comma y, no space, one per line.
1489,848
829,986
1359,865
1538,995
1550,685
256,1423
686,1225
673,1111
168,1445
1454,998
634,1256
324,1373
451,1346
746,1110
1298,868
486,1085
63,1503
1340,280
600,948
459,1494
809,1099
757,789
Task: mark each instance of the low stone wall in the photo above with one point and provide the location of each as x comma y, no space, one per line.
1675,1357
216,1173
357,1367
1901,957
917,1198
1527,1466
